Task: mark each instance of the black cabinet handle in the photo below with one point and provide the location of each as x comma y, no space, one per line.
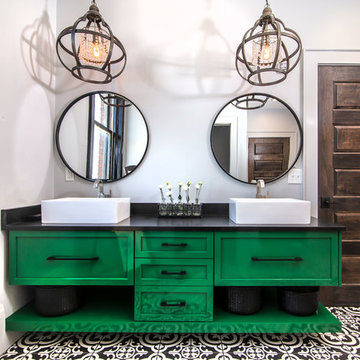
69,258
167,244
167,303
165,272
276,259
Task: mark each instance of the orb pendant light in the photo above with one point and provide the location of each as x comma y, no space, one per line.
89,50
268,51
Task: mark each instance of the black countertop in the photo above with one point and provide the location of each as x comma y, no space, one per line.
143,217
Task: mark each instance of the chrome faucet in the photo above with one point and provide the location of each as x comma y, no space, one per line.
98,184
260,184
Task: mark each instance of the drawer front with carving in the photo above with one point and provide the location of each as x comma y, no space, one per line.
71,258
277,258
173,303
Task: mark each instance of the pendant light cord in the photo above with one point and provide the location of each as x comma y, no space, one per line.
267,3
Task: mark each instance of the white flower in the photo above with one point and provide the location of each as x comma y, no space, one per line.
200,182
197,186
180,183
169,193
160,186
185,188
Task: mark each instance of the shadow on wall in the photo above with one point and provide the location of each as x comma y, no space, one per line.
39,53
201,62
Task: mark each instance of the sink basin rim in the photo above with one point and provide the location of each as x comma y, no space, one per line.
84,210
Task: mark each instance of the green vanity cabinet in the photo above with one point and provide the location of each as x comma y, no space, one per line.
71,258
174,274
277,258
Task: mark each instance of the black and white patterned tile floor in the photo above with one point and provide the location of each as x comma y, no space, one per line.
99,346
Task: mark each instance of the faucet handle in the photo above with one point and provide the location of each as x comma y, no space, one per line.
261,183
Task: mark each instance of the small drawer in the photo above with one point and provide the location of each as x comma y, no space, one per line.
156,303
71,258
277,258
198,272
177,244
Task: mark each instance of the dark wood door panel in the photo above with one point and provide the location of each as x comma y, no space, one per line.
352,223
350,270
268,157
347,95
270,165
347,183
270,148
346,117
346,161
339,169
341,296
347,138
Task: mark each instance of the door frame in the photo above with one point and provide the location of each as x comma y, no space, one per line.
311,60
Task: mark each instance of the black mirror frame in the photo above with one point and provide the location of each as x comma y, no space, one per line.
58,126
298,124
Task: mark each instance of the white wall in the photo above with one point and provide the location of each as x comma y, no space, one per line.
180,73
26,122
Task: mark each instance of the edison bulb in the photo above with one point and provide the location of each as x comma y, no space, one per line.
96,50
266,52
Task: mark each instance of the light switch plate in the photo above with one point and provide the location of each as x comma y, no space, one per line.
295,176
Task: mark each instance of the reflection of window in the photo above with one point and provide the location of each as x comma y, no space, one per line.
105,138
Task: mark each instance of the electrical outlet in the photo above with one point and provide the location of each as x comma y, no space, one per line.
295,176
69,175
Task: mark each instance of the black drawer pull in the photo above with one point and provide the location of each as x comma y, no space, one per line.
179,303
277,259
165,272
69,258
167,244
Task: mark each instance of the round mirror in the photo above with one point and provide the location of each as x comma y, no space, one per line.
102,135
256,136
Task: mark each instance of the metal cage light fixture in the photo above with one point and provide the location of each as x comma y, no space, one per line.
89,50
266,56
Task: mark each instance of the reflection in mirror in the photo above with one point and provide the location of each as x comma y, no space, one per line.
102,135
256,136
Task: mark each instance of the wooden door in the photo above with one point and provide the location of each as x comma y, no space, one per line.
339,171
268,157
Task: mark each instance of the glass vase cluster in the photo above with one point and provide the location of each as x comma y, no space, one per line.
179,209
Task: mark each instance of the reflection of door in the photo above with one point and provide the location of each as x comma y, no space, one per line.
268,157
339,171
222,144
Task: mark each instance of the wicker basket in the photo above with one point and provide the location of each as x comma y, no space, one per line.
56,300
299,300
244,300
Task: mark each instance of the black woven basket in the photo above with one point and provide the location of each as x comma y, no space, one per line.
56,300
299,300
244,300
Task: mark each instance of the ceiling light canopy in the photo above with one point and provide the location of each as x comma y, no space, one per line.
268,51
89,50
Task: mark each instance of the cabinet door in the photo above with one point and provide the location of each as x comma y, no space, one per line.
174,244
277,258
71,258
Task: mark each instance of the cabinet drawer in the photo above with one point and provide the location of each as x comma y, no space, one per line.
71,258
179,244
174,272
158,303
283,258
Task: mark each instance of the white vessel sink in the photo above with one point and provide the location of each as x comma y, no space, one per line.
269,211
85,210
